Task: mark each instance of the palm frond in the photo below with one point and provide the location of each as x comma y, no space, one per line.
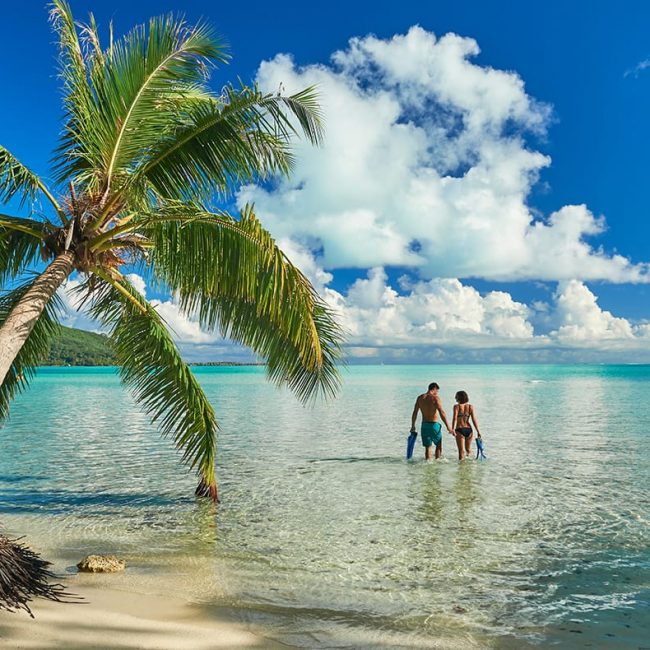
148,69
233,275
71,57
152,367
119,102
77,150
78,153
303,107
16,180
21,242
25,576
285,363
89,37
34,350
243,136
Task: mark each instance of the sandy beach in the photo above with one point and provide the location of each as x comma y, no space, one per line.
111,618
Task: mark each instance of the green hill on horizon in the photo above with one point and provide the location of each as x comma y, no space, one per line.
74,347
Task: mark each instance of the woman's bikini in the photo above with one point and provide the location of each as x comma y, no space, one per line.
464,415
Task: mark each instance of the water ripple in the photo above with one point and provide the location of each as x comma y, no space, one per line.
327,536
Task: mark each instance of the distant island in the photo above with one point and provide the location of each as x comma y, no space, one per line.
224,363
75,347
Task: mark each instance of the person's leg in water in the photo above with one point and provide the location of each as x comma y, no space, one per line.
429,438
460,442
468,445
439,449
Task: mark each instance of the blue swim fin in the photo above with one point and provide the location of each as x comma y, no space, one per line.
410,445
479,450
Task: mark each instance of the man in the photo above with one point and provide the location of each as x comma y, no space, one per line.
429,404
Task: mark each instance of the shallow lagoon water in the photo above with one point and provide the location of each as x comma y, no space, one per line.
326,535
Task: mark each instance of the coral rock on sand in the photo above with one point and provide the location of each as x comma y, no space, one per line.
101,564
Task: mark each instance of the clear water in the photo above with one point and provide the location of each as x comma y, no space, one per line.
326,535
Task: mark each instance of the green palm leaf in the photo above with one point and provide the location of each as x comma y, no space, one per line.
16,179
285,364
78,153
120,102
242,136
152,367
237,279
33,352
21,242
148,70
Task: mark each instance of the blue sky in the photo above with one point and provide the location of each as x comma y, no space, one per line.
580,61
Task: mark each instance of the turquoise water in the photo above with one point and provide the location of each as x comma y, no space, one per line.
327,537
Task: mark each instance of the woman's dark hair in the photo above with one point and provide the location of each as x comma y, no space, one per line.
462,397
433,385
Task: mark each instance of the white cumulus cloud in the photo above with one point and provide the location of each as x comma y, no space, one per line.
426,164
434,312
583,321
445,314
440,320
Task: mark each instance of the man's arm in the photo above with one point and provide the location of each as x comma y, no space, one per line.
443,417
414,416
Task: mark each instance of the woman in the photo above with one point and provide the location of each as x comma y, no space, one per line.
463,412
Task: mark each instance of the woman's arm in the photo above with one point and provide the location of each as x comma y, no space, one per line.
454,418
471,412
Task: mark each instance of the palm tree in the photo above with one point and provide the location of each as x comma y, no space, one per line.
146,149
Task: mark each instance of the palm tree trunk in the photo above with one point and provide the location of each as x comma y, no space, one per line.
23,316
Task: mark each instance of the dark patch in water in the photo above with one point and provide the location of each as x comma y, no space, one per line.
356,459
21,479
55,502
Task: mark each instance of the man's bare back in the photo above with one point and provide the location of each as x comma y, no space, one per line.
429,405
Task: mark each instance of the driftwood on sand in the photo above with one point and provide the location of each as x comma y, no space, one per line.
25,576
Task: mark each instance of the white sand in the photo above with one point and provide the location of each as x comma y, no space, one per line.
112,618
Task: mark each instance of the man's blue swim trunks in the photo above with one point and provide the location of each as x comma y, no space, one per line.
431,433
